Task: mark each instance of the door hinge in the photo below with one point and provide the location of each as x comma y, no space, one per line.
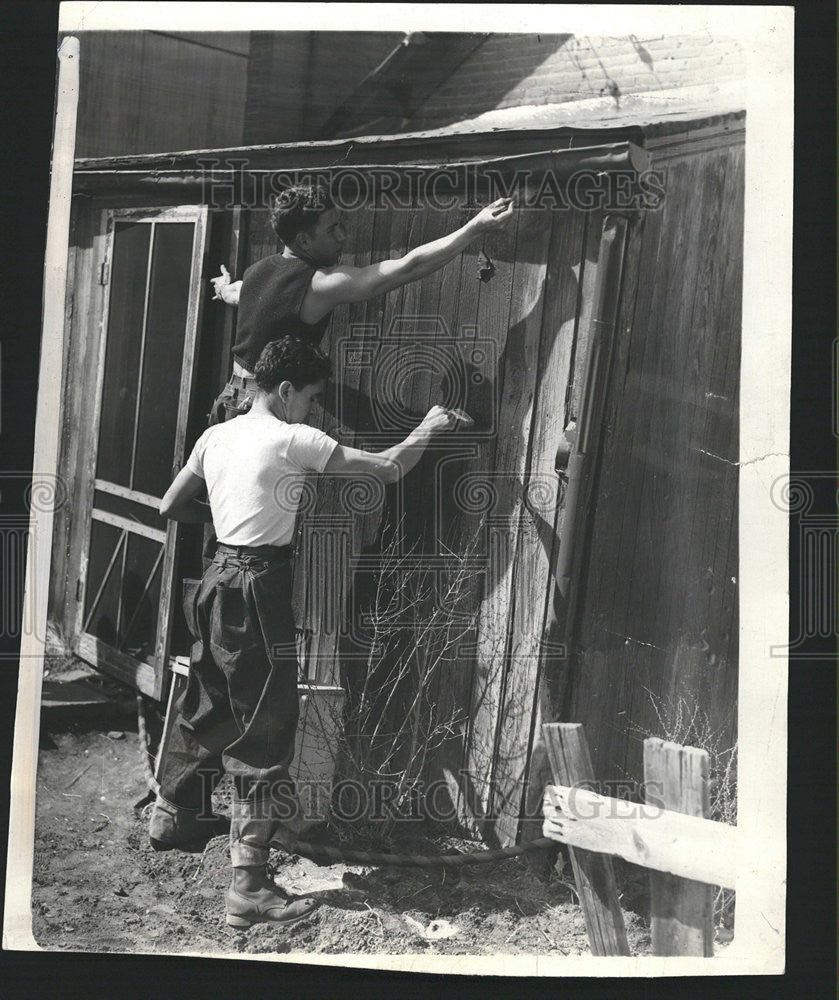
78,591
103,273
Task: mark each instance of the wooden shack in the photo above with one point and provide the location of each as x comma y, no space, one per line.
593,507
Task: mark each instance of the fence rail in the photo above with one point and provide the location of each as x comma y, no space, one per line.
670,834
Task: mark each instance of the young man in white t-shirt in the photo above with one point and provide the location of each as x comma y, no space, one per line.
241,700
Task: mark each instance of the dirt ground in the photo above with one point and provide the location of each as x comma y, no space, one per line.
99,886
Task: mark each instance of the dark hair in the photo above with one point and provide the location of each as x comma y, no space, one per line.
297,209
290,360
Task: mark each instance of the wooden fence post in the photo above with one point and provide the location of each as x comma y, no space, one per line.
681,910
594,873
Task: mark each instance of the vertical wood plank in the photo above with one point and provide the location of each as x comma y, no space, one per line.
681,910
610,646
587,280
584,467
433,357
82,374
712,617
359,387
458,528
496,455
696,481
606,677
538,537
594,873
533,484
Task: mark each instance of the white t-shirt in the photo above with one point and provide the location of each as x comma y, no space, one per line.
255,466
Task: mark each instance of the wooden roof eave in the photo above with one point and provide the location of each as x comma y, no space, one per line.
152,173
440,144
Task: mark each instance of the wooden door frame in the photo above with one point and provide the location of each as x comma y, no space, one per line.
150,679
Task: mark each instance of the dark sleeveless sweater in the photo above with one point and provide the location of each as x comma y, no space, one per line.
272,293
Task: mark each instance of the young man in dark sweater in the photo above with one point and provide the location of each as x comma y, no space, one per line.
294,292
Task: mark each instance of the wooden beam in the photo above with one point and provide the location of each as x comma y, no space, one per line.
681,910
645,835
593,873
133,527
480,173
135,673
122,491
443,145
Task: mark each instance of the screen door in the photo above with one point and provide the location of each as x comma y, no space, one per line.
152,274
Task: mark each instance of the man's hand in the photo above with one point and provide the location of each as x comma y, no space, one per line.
439,419
495,215
225,289
220,283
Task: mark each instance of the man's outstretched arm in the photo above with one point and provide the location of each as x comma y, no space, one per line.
333,286
393,463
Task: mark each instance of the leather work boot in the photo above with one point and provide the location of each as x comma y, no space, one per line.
253,898
173,826
253,830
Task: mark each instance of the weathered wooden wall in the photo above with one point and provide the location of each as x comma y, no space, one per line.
656,599
656,641
656,607
518,340
296,79
146,91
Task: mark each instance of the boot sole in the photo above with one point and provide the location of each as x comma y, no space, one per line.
244,923
181,845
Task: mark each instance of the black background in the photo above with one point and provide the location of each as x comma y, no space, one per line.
28,34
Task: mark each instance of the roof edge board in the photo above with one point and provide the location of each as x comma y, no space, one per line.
341,149
607,157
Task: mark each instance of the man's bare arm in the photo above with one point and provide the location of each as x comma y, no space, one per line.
393,463
180,502
333,286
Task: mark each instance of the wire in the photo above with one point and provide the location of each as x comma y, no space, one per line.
324,854
148,773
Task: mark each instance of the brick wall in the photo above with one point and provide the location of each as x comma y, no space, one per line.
515,70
